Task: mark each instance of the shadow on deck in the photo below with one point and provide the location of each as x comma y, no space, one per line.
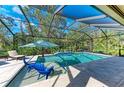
109,71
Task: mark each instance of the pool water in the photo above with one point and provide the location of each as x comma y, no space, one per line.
24,77
67,59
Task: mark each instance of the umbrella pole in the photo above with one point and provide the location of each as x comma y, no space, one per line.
42,52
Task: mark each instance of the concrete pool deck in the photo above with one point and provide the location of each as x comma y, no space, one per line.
9,68
66,80
107,72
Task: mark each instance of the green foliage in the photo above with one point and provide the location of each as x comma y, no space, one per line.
28,51
3,53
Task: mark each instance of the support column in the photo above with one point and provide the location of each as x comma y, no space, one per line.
106,45
119,50
91,45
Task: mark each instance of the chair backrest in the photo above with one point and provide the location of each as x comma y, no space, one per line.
25,61
12,53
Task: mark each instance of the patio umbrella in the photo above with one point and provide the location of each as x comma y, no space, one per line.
41,44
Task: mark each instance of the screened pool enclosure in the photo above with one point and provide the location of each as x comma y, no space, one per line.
94,28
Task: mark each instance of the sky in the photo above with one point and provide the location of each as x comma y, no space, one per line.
14,12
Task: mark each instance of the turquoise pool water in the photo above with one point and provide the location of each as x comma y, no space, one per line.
24,78
72,58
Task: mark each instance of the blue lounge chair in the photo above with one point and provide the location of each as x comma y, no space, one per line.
44,70
39,67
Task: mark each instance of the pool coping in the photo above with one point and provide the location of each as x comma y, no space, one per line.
99,54
9,81
14,75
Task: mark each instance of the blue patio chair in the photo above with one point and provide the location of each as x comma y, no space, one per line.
39,67
44,70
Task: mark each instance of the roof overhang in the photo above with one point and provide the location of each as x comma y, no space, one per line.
114,11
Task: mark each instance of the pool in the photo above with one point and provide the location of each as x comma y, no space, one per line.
24,77
67,59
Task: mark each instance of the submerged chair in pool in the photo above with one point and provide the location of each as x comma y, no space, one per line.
39,67
61,64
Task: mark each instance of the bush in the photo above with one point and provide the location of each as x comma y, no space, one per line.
29,51
36,51
3,53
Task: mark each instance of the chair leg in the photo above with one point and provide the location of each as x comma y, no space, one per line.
64,68
29,69
38,77
47,76
53,71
